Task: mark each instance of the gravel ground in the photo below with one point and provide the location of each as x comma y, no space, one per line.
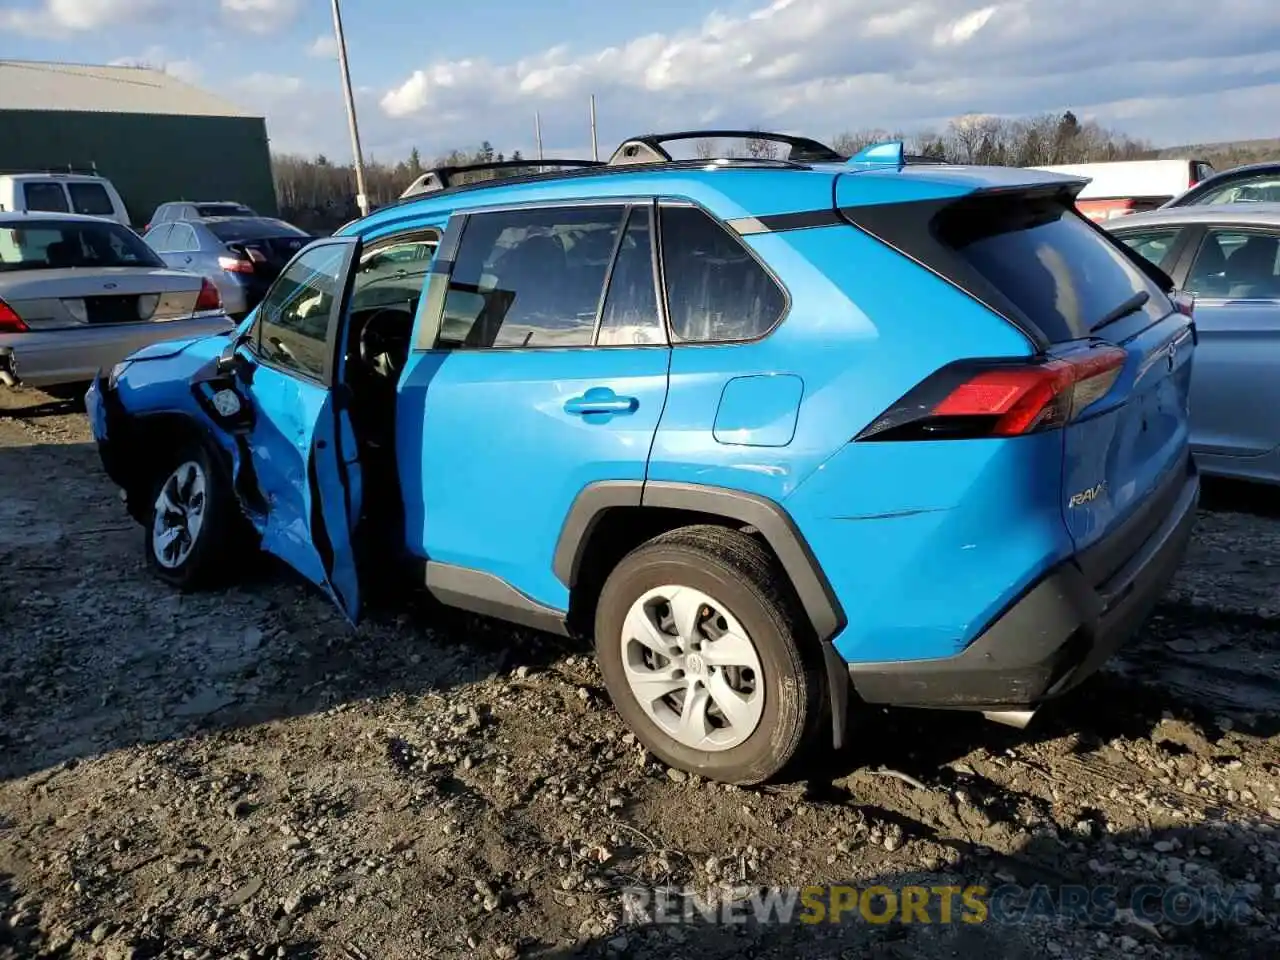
239,774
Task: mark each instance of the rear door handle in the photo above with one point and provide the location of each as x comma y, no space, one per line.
601,400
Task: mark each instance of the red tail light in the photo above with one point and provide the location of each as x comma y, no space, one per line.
1101,210
999,399
10,322
210,298
235,265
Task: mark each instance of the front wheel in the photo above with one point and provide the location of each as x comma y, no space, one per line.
192,520
704,654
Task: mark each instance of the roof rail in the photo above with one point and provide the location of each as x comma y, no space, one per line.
91,170
649,148
441,178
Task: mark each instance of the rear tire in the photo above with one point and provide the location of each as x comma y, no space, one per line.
727,684
192,521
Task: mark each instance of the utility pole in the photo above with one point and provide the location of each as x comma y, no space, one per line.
595,146
362,197
537,134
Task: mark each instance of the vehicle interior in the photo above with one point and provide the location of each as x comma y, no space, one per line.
384,301
1245,270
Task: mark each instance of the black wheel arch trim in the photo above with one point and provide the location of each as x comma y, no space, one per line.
773,522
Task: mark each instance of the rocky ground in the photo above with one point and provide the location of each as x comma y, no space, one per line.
238,774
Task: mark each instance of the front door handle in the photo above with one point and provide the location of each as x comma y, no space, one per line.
601,400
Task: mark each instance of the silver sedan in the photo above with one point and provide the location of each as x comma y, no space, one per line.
79,294
1228,255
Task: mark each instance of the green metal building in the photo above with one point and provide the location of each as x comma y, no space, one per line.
155,137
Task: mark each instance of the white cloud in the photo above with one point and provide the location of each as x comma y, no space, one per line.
323,47
963,30
60,18
260,16
824,66
819,67
65,18
157,58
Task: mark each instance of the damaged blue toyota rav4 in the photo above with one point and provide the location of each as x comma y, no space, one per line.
776,432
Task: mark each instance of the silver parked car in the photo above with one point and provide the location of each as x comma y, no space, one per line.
1228,255
241,255
79,294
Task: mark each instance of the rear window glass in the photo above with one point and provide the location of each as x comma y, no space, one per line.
54,245
1053,266
90,198
258,229
223,210
45,196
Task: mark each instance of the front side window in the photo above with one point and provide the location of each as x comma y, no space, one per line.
1154,246
530,278
716,290
1236,265
48,197
91,199
292,328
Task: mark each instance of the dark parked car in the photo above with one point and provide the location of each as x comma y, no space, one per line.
1252,183
241,255
198,210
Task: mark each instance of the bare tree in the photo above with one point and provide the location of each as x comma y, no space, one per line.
760,148
704,149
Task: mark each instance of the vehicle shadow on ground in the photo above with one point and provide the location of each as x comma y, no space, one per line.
41,406
101,655
97,654
1239,496
1184,892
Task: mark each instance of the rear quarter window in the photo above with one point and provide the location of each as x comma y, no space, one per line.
717,291
1060,272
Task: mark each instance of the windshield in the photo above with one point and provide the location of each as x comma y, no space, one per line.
224,210
262,228
60,244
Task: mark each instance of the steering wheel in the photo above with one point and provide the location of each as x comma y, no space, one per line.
384,341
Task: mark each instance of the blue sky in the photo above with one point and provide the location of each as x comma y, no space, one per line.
439,76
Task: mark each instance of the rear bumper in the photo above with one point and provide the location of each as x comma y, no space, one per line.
53,357
1062,629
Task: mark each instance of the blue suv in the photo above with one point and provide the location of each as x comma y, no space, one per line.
776,431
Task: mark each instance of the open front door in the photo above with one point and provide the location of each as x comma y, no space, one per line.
301,444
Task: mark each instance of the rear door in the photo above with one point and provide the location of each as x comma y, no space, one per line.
547,371
302,446
1235,386
1081,291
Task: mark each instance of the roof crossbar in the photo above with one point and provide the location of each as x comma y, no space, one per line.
441,178
649,148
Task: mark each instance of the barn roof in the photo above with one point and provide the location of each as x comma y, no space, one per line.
35,85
